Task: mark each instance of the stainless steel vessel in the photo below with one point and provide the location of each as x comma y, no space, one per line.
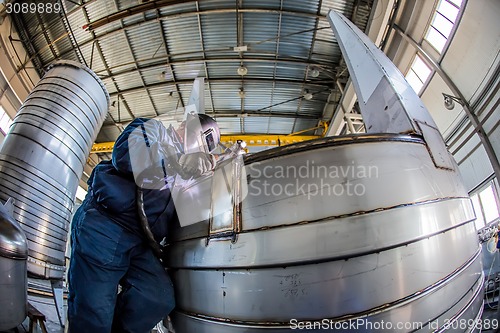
42,158
385,236
13,279
365,233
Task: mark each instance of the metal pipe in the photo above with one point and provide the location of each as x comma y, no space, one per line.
43,156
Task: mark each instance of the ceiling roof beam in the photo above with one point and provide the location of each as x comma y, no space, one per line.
222,114
163,3
187,14
306,72
23,32
320,84
130,11
57,19
202,44
129,47
240,42
47,39
275,63
169,62
247,114
103,59
161,63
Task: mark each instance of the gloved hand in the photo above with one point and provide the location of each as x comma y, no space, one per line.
196,164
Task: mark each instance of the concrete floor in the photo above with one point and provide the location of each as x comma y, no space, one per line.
47,307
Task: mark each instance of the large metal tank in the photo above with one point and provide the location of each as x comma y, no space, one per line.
362,233
13,274
362,228
42,158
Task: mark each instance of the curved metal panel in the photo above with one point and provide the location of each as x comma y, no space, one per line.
329,239
425,312
13,292
342,180
12,239
281,293
42,158
13,279
399,251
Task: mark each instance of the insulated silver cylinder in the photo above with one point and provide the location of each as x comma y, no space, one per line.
43,155
13,279
342,233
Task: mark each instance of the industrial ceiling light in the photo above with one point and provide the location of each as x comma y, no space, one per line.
307,96
241,93
314,72
242,70
449,101
170,96
163,75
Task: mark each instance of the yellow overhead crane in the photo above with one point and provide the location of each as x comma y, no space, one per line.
255,140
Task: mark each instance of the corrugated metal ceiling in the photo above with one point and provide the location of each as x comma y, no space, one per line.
149,52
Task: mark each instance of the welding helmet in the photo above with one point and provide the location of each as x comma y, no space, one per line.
201,133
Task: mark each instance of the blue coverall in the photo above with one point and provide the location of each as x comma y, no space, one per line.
109,247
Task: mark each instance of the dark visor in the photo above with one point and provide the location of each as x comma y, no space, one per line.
209,140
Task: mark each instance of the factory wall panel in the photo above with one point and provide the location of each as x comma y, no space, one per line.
471,61
474,170
474,48
433,99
